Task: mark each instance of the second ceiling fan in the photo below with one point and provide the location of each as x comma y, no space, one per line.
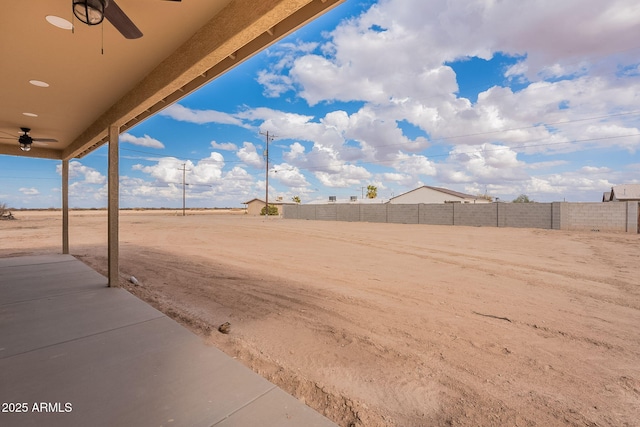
92,12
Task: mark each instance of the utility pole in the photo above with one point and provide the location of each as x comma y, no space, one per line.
184,184
266,155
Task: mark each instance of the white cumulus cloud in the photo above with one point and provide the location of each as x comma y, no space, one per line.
29,191
184,114
143,141
249,155
225,146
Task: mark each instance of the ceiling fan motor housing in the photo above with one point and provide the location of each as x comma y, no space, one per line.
25,142
91,12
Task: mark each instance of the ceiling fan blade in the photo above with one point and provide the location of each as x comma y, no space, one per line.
121,21
44,139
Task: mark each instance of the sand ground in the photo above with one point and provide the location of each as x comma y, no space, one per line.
391,325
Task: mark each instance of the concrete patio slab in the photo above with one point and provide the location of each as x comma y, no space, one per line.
101,357
34,260
27,325
268,411
44,277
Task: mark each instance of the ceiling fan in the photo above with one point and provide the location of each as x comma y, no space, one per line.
92,12
26,140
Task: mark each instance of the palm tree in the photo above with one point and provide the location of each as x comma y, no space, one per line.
372,191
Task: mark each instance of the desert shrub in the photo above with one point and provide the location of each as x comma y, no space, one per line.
5,213
273,210
523,198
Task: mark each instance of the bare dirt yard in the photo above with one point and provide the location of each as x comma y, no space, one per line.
390,325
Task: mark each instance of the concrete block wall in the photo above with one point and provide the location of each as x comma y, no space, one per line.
402,214
614,216
326,212
347,212
596,216
373,213
441,214
528,215
305,211
558,215
291,213
480,215
501,214
633,217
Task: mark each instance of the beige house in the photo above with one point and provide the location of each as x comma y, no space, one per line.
430,195
255,206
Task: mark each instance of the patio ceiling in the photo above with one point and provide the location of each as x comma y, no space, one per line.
184,46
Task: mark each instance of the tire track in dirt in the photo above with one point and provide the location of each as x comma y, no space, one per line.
479,262
517,271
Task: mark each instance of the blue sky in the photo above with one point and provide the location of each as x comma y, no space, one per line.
501,98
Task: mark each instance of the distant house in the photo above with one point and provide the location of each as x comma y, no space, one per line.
625,193
254,206
606,196
427,194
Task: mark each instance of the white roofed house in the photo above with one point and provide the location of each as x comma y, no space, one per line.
427,195
625,193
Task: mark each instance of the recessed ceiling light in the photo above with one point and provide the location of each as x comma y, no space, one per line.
59,22
30,114
39,83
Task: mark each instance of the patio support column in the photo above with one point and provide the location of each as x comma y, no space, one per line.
65,206
113,206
